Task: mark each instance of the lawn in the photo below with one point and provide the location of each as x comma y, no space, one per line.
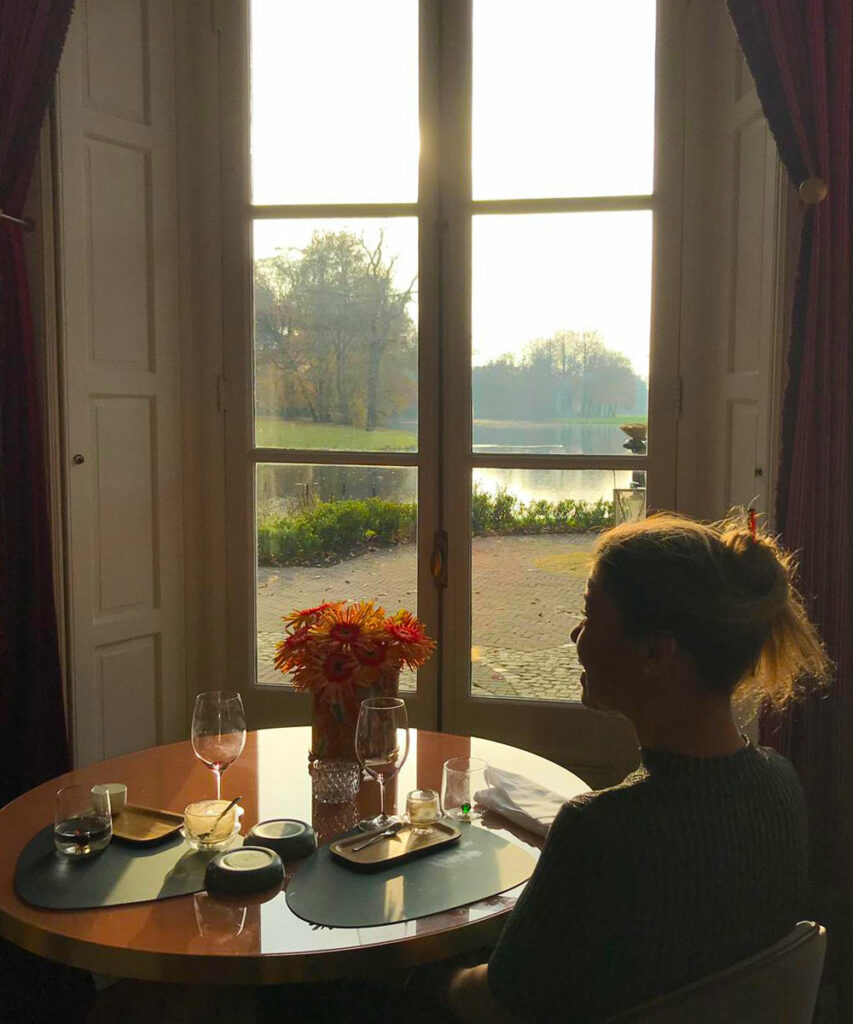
606,421
275,433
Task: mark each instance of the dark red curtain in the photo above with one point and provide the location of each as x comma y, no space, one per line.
34,744
801,56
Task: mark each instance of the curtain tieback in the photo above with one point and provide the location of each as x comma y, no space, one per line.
813,191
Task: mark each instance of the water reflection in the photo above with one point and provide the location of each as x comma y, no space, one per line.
549,438
553,484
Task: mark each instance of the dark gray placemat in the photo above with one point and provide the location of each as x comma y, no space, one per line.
482,864
122,873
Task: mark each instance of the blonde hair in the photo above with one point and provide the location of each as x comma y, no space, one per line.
726,595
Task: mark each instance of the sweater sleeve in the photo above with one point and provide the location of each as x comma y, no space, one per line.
556,939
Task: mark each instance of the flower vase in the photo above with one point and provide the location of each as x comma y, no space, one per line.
333,722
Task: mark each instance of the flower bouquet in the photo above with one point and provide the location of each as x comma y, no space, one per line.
342,653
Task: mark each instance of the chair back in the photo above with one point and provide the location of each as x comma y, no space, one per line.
777,986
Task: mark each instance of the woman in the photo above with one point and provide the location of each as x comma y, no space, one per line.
697,859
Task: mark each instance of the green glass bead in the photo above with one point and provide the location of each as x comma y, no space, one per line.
466,808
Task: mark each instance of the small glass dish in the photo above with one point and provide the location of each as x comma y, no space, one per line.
222,841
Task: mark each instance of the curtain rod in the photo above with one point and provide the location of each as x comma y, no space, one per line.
26,223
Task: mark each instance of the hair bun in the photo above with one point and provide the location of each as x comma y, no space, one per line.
757,566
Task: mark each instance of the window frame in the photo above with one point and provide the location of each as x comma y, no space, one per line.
445,210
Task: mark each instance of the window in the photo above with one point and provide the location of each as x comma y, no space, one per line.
445,218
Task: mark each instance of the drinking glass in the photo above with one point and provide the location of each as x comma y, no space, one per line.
381,746
461,778
422,810
83,824
218,731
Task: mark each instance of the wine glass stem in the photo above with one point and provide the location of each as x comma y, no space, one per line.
382,797
218,775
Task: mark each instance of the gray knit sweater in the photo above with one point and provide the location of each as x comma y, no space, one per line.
686,867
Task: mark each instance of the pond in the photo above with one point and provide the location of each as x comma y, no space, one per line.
297,485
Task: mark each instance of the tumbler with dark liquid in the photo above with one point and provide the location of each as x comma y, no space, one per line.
83,825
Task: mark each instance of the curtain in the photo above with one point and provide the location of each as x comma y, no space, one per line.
800,53
34,745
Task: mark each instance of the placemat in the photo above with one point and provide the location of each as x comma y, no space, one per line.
482,864
122,873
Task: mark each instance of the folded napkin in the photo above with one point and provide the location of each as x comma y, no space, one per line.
522,801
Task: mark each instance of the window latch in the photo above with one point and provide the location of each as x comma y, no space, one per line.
438,559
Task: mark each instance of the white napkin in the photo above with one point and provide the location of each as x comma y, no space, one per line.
522,801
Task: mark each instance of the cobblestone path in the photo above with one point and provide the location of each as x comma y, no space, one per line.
526,596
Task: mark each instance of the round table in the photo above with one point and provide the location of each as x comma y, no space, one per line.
200,939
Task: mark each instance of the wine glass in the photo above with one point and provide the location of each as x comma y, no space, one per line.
381,746
218,731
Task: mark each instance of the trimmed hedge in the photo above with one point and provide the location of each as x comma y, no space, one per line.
503,513
334,530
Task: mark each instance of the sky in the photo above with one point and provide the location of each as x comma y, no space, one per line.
563,106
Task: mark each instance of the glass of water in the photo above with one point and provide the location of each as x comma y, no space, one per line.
83,824
462,778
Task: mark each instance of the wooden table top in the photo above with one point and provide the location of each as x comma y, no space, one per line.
202,939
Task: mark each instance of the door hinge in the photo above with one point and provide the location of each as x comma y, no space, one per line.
438,559
221,394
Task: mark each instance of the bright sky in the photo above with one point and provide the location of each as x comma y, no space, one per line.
563,106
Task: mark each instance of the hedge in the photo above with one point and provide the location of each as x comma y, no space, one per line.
338,529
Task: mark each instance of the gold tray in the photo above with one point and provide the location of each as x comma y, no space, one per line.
146,824
394,849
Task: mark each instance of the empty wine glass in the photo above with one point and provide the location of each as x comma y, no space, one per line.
218,731
381,746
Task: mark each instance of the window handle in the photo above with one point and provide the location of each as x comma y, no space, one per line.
438,559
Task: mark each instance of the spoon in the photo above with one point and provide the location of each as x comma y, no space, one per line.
219,818
392,830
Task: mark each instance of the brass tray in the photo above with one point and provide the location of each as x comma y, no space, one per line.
396,849
146,824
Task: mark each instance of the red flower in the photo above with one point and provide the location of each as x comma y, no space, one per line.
338,667
308,616
345,632
371,656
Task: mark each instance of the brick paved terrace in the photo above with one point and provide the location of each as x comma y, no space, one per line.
526,595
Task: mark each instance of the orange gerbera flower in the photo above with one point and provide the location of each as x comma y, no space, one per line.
337,647
409,638
308,616
353,625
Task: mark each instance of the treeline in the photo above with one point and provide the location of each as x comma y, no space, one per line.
336,342
569,375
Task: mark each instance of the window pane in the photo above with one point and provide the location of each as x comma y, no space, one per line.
333,533
336,343
533,533
563,98
561,316
334,101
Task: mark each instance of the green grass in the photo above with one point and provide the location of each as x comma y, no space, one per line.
582,420
276,433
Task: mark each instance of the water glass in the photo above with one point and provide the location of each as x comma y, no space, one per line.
82,824
422,809
461,778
